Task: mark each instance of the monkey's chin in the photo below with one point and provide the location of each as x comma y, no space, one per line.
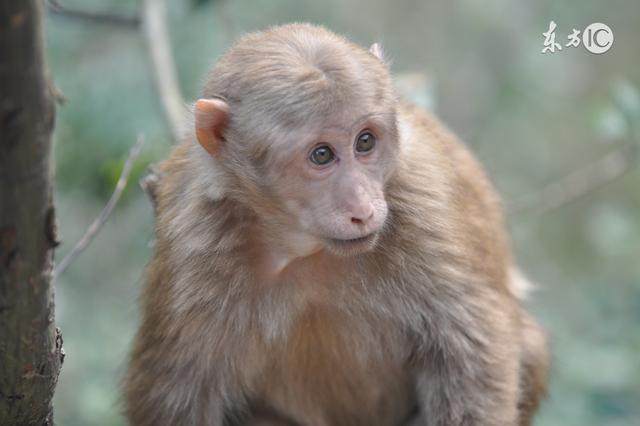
352,247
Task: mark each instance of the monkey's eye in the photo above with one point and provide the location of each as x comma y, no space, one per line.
322,155
365,142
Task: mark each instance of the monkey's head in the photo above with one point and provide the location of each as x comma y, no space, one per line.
303,124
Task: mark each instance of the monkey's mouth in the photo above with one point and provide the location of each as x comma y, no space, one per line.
347,247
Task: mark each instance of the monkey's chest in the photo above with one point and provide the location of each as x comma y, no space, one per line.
333,369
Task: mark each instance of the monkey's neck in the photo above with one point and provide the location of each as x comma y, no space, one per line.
276,250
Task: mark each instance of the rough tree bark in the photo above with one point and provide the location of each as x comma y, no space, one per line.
30,345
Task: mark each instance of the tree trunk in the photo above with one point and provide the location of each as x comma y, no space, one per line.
30,345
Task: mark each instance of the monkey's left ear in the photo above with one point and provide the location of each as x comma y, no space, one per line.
212,117
376,50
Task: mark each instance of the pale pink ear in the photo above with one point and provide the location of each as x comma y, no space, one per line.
212,117
376,50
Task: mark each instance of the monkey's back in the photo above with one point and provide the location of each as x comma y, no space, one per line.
442,190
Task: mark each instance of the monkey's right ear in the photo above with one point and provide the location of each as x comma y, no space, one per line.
212,117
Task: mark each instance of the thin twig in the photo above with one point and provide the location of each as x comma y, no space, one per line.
226,22
93,17
578,183
154,17
97,224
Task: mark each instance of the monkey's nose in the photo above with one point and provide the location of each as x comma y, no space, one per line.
362,216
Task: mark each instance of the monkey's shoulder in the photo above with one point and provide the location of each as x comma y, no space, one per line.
442,190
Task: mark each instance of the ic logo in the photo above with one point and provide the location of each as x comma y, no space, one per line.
597,38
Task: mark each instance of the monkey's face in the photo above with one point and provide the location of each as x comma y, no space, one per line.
331,181
306,121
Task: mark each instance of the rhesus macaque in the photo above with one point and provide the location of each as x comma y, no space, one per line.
327,254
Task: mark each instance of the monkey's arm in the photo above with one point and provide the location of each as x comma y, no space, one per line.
469,376
172,378
467,356
162,387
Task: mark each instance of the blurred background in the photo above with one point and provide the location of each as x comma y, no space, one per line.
557,132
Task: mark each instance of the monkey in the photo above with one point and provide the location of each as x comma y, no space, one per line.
327,253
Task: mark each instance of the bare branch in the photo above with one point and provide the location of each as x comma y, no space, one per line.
97,224
226,20
578,183
154,17
154,20
56,8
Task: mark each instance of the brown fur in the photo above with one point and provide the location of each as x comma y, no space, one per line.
422,329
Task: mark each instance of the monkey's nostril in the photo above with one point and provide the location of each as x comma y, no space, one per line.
363,217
